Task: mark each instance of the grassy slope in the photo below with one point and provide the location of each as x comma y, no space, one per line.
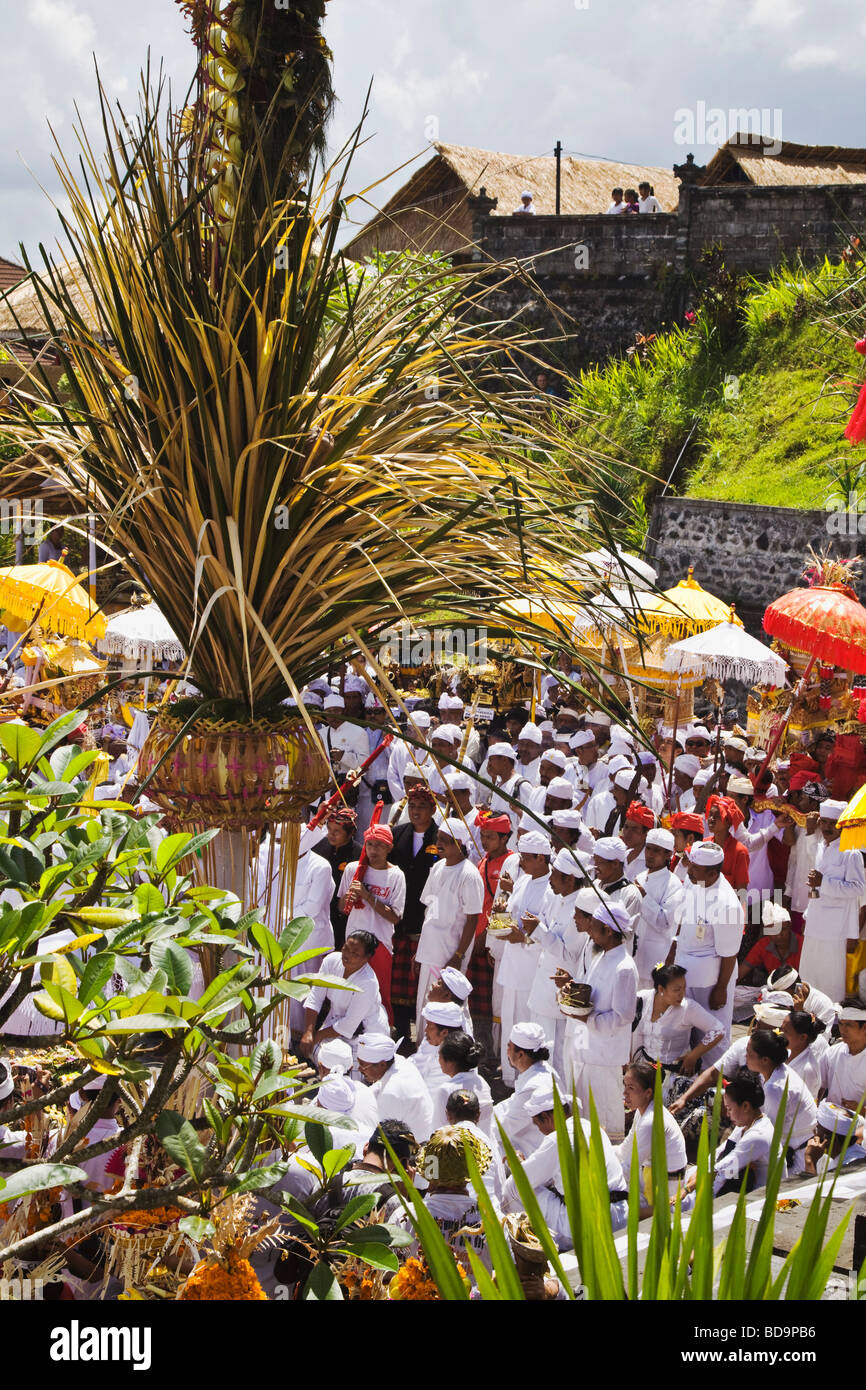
770,444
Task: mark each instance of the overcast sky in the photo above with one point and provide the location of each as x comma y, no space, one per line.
608,77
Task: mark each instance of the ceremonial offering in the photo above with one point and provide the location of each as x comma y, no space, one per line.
500,924
575,999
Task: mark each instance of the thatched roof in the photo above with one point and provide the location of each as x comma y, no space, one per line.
740,161
430,212
22,303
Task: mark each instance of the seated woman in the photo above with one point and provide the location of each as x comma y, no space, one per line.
806,1044
639,1095
459,1055
766,1055
748,1146
665,1024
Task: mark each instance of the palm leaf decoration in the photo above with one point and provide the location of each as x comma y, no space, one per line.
289,452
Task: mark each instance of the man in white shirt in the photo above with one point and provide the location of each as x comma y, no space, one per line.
838,887
399,1090
661,902
349,1011
639,821
529,753
347,744
709,936
602,1043
375,901
608,857
502,770
527,206
515,970
453,897
406,755
647,201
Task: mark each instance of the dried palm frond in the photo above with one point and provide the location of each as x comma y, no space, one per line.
285,455
831,572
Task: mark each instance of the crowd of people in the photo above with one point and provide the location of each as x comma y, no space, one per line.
557,905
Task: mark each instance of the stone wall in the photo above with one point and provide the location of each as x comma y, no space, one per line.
599,280
748,555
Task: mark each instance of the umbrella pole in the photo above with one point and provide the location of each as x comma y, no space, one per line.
674,744
717,756
782,729
626,676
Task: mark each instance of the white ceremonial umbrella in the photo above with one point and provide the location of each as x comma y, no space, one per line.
728,653
141,634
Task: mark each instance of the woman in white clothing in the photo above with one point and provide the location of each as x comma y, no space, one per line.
747,1148
665,1022
459,1056
440,1021
806,1045
766,1055
639,1095
529,1055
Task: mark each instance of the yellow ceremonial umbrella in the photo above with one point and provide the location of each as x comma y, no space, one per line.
853,822
550,614
52,591
685,610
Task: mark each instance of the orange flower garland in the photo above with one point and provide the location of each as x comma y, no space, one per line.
235,1281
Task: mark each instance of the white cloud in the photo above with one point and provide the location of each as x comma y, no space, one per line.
415,100
773,14
813,55
64,28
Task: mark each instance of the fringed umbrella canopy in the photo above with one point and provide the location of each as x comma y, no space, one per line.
141,634
828,622
728,653
686,609
52,591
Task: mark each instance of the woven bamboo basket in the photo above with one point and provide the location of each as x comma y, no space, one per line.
234,775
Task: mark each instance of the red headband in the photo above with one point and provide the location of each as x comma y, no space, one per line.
640,814
488,821
342,815
727,809
380,833
686,820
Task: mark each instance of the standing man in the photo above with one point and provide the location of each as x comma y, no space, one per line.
453,898
339,849
375,902
837,887
415,852
601,1046
661,901
709,937
516,969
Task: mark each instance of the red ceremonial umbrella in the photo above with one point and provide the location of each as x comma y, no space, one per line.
827,621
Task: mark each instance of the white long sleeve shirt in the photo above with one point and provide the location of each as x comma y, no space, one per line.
349,1012
710,929
604,1040
659,912
401,1094
834,914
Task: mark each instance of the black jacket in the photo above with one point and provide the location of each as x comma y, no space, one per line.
417,868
